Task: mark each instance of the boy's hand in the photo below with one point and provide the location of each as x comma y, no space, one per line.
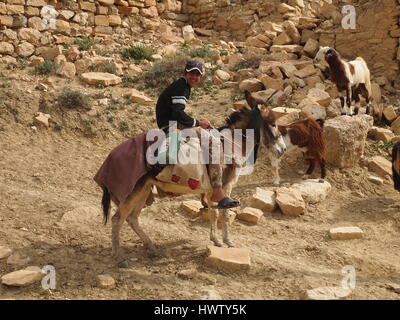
204,124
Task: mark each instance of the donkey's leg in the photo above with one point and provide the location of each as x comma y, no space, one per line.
275,162
213,214
117,222
323,169
133,219
230,178
310,169
124,210
226,237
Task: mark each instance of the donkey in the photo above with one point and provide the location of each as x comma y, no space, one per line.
353,77
257,116
305,134
396,165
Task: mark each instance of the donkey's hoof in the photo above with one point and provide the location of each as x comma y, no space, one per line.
230,244
217,243
123,264
306,177
343,114
276,183
153,253
321,180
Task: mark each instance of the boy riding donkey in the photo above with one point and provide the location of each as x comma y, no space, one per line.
170,108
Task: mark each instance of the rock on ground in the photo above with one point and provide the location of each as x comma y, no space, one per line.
312,190
249,214
263,200
5,252
106,79
105,281
346,233
18,259
188,274
381,166
228,258
192,206
290,201
139,97
328,293
22,278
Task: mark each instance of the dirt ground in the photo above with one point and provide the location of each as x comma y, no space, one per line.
47,173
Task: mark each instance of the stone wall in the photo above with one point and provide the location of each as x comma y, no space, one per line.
376,37
27,25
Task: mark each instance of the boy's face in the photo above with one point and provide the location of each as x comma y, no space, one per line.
193,77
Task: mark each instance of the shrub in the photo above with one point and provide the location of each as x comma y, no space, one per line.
129,81
84,44
45,67
380,145
73,99
164,72
197,52
138,52
103,67
123,126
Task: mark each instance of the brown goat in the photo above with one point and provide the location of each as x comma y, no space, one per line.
308,135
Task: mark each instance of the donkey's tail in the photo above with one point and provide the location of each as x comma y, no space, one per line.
396,165
105,203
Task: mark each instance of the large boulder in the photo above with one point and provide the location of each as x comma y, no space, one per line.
346,139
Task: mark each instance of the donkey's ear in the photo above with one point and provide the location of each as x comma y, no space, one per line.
250,100
265,110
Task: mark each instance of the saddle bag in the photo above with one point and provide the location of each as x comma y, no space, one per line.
189,169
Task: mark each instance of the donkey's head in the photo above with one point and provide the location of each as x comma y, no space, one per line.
271,138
